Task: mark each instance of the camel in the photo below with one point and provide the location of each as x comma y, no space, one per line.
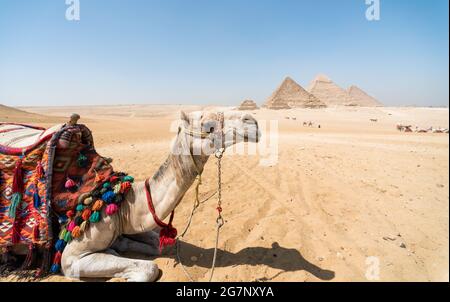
96,253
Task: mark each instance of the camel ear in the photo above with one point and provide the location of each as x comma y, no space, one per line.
184,117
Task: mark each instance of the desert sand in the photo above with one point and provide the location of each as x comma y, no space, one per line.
337,195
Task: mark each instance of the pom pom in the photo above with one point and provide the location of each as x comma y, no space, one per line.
128,178
70,184
76,232
107,185
108,197
124,187
167,236
68,237
84,225
79,207
97,205
95,217
88,201
62,219
117,188
70,213
113,179
86,214
60,245
62,234
112,209
57,258
71,225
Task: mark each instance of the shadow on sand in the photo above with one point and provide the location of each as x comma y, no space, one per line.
277,257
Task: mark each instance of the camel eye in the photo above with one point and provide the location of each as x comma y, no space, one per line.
209,127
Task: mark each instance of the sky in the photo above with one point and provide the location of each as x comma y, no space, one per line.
219,52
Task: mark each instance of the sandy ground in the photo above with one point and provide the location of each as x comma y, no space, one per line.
337,196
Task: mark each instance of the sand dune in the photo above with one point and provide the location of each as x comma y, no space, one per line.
337,195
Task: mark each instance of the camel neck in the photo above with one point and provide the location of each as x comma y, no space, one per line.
167,186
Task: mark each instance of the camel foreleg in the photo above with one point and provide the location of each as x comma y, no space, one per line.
108,265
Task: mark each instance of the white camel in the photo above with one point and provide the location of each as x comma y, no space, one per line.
95,253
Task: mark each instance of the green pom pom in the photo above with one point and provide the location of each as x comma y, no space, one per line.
128,178
95,217
68,237
62,234
107,185
80,208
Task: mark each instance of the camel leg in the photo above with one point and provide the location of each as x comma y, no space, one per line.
107,265
151,238
125,244
91,256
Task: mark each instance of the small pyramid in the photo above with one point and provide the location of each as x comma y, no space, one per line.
291,95
359,97
248,105
328,92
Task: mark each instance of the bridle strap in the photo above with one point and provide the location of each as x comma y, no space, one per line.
151,207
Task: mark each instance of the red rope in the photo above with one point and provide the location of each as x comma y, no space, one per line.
168,233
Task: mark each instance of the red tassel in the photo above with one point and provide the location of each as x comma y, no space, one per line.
167,237
57,258
39,170
36,233
18,178
15,237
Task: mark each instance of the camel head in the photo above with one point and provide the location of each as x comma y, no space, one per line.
209,131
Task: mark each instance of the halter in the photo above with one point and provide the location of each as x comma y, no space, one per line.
168,233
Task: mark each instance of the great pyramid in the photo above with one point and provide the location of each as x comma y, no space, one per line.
360,98
328,92
292,95
248,105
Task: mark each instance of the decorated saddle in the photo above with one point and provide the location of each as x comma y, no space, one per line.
53,185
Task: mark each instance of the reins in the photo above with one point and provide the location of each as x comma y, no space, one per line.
168,234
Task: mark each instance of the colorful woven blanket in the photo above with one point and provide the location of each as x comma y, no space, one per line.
55,176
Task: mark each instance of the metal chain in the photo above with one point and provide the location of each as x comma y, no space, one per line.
219,220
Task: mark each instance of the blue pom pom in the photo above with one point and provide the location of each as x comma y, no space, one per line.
80,208
62,219
55,268
60,245
108,197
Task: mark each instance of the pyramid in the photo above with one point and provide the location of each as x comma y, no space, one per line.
360,98
248,105
292,95
328,92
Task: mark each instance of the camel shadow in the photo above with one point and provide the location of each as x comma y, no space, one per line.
277,257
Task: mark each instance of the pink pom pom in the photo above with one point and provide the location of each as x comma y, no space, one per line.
70,184
71,226
112,209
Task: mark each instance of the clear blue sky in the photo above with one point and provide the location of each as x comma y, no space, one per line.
219,52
